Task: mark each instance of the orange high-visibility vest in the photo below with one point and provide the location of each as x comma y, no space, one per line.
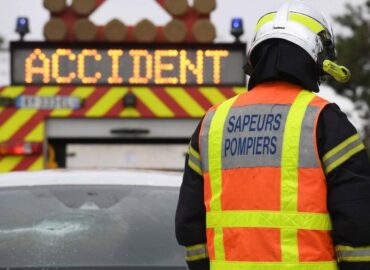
265,189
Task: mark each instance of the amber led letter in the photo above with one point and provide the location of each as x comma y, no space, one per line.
115,55
43,70
160,66
186,64
81,66
55,65
137,78
217,55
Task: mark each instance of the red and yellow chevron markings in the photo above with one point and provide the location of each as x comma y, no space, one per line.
99,102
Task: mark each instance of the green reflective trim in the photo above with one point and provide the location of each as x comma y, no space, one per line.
196,247
289,245
196,257
196,252
195,167
354,259
342,152
307,21
344,158
290,151
219,244
289,171
340,147
267,18
352,254
194,161
215,152
193,152
349,248
215,168
269,219
331,265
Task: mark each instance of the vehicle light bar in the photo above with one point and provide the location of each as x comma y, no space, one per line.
20,148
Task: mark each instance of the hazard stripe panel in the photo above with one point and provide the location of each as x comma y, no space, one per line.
100,102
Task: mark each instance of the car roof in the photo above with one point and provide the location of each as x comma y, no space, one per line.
91,177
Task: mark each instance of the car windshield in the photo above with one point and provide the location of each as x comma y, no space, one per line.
89,226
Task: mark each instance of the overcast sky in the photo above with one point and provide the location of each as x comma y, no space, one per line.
132,11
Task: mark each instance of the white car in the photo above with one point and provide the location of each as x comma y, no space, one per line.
117,219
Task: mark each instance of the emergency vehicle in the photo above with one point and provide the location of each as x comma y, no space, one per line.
115,95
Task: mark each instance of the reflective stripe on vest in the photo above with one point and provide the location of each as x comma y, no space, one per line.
219,156
272,266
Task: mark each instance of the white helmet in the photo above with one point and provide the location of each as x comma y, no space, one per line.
302,24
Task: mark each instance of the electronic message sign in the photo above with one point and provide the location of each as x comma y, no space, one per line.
106,64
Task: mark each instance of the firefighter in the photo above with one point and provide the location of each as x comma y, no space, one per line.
277,177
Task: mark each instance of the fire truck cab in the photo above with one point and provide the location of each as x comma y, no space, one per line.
114,96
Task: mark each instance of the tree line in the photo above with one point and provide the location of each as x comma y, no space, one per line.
353,48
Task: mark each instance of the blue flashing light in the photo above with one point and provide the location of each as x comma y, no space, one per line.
237,23
22,27
22,21
237,28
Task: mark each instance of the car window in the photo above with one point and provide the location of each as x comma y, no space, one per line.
72,226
